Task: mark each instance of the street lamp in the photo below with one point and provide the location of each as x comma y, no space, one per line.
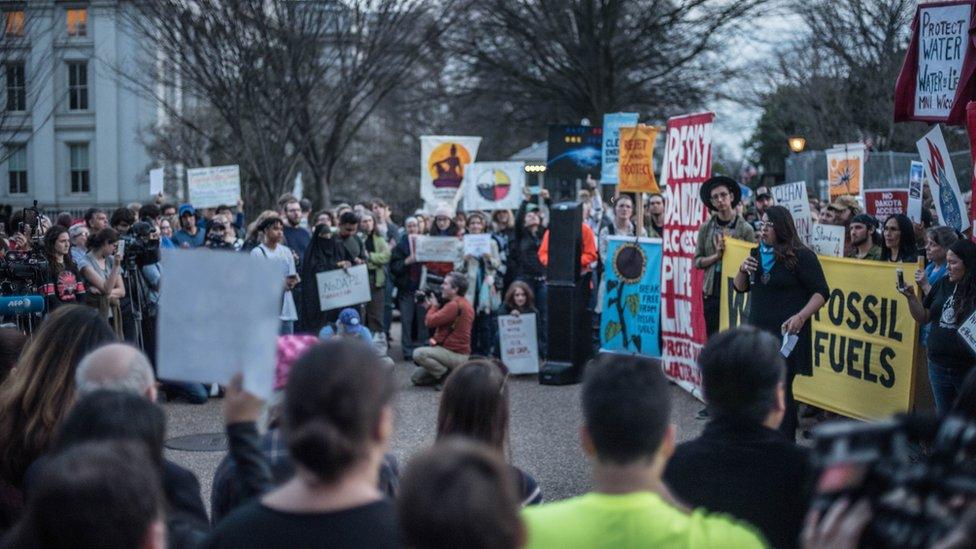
797,143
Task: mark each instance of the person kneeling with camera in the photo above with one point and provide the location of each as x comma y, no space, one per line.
450,346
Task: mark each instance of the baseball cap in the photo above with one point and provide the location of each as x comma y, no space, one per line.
349,317
186,209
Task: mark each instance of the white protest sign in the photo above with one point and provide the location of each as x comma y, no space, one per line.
943,36
915,177
156,178
212,187
827,239
493,185
519,343
793,197
443,163
942,180
218,315
477,245
437,249
341,288
967,331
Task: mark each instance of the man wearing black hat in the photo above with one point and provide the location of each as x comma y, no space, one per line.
764,199
863,238
721,194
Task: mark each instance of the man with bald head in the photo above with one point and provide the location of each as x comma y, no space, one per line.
116,367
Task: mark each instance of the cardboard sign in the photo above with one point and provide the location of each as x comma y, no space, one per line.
212,187
612,122
946,195
437,249
862,341
881,203
967,331
443,160
477,245
519,343
827,240
845,169
793,197
943,41
493,186
342,288
636,171
631,306
156,179
916,176
218,315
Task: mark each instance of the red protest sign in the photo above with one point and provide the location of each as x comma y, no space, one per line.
880,203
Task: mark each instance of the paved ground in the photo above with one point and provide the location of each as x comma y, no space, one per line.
544,430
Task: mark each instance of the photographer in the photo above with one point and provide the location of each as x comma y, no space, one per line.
64,283
451,345
102,272
220,237
122,220
407,274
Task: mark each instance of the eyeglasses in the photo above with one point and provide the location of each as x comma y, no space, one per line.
765,224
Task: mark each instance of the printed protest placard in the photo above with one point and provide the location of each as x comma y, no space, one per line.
437,249
477,245
631,316
340,288
612,122
862,341
519,343
915,177
793,197
211,187
443,161
880,203
943,37
687,164
946,195
967,331
827,240
845,169
493,186
156,179
207,330
636,172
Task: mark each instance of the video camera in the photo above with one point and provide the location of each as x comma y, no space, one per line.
22,272
141,248
916,499
432,287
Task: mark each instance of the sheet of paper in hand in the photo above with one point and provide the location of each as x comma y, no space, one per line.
519,343
967,331
477,245
827,239
437,249
341,288
218,315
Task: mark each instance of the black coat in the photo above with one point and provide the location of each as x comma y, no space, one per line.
748,471
323,254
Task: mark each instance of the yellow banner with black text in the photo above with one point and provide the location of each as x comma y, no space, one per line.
863,339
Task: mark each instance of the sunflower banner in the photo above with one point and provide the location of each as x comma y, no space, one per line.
845,169
443,161
631,318
493,185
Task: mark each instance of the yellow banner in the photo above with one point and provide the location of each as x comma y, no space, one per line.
635,168
863,338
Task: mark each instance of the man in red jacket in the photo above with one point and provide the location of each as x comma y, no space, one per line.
451,322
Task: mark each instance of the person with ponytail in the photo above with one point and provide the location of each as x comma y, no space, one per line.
338,418
945,307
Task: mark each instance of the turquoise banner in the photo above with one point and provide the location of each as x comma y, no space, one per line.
631,313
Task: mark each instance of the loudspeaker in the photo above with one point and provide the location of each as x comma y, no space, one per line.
565,242
569,333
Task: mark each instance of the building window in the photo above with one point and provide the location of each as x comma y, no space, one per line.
16,87
13,24
78,86
80,174
17,169
77,21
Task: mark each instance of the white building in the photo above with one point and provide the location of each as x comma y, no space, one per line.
70,125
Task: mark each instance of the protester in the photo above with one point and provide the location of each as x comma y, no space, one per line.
324,217
38,393
296,236
64,283
12,342
385,226
64,219
864,239
475,404
327,252
190,235
899,240
122,220
721,194
949,303
271,248
520,300
378,253
459,493
451,344
763,200
348,325
443,225
937,243
104,494
528,237
503,231
96,220
622,225
482,292
407,274
166,233
626,409
840,213
338,418
78,233
788,286
116,367
741,465
654,222
102,269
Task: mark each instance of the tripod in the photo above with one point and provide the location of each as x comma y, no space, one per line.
135,288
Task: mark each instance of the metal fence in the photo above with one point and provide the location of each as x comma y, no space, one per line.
881,170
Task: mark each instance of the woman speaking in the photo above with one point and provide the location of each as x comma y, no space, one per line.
788,287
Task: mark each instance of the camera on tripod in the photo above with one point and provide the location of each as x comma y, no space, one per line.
141,248
916,499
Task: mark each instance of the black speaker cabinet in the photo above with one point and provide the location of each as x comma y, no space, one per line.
565,242
569,333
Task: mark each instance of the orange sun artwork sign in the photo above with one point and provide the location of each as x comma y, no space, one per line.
443,162
845,169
